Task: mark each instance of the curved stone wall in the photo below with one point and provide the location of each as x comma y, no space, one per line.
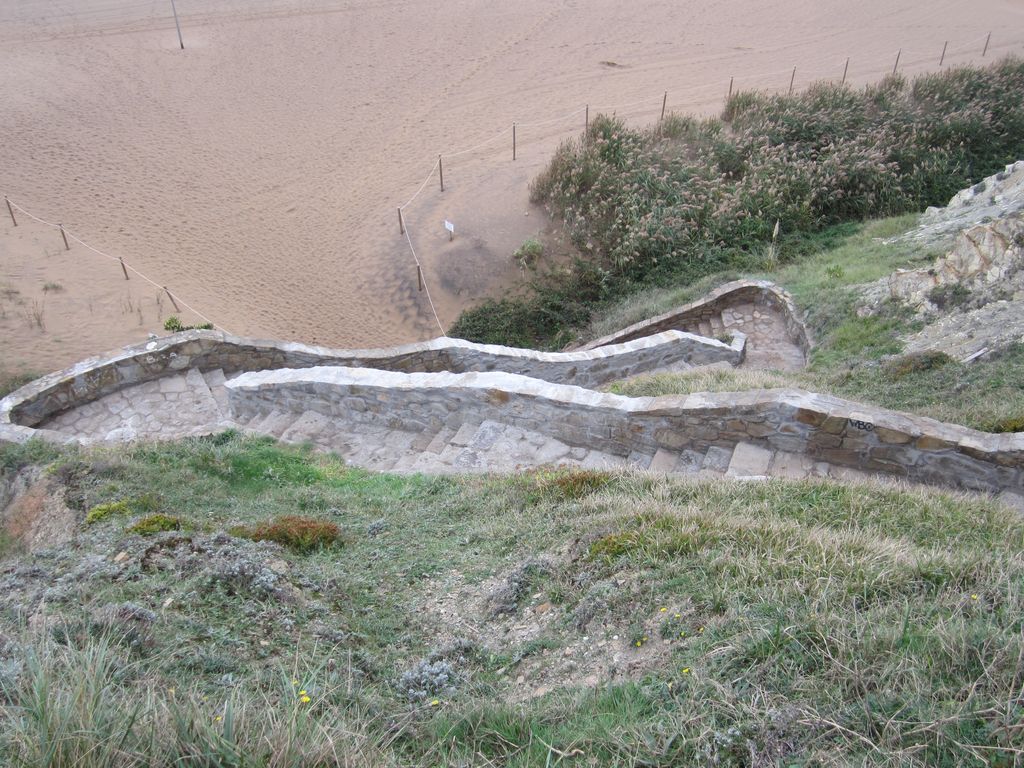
758,292
790,421
210,350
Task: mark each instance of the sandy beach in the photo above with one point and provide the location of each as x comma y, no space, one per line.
258,172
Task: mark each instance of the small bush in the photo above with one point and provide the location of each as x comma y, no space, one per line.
174,325
571,484
834,272
155,524
529,253
1008,424
916,362
949,296
427,679
101,512
146,502
613,545
299,534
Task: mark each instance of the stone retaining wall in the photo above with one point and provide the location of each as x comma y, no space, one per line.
209,350
760,292
822,427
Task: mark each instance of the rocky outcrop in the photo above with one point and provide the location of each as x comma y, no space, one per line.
998,196
984,257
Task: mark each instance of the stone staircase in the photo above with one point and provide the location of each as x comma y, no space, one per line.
193,404
769,345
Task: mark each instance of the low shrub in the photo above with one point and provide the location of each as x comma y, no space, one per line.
299,534
1008,424
101,512
916,362
570,484
141,504
653,207
529,253
949,296
157,523
174,325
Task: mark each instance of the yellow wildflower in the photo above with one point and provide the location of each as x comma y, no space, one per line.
302,693
435,702
974,597
305,699
664,609
686,670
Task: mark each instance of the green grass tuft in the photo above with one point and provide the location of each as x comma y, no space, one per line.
151,524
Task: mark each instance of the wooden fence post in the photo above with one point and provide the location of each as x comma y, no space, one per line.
171,297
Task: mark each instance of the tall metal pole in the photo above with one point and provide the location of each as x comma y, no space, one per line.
177,25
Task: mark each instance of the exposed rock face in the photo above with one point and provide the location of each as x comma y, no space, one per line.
971,335
997,197
33,512
973,297
984,257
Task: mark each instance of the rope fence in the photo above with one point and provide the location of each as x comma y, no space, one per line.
901,57
66,234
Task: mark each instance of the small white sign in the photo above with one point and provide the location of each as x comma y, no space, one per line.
449,226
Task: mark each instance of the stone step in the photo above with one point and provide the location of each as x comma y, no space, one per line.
464,434
440,440
406,463
717,459
749,460
306,428
640,460
215,381
253,423
423,439
275,423
704,328
334,442
205,410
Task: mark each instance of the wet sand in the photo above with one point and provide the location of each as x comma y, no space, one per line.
257,173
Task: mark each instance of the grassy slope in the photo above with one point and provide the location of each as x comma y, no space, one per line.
987,395
775,623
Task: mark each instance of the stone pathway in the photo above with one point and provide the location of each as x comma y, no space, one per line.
768,342
193,404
